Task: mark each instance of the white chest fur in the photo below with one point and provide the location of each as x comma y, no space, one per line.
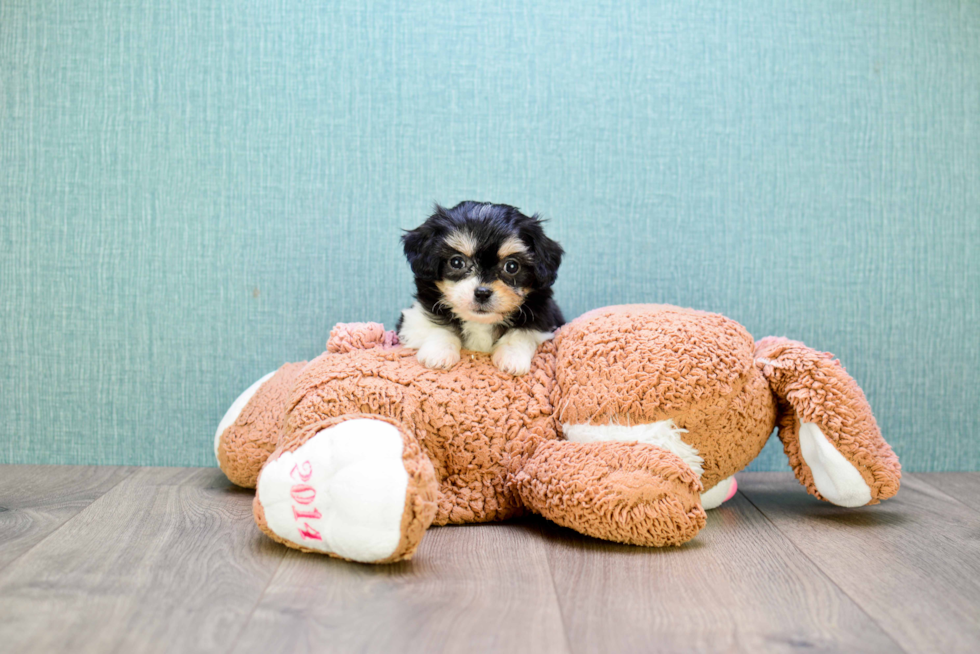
477,336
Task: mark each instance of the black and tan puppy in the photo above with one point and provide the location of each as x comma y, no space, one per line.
483,277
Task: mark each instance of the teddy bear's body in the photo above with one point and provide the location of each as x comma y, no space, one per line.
470,422
625,417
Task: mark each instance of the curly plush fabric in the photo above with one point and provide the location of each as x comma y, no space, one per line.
689,366
348,336
254,435
482,445
623,492
814,387
471,421
678,362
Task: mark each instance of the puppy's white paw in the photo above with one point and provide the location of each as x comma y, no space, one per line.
438,356
513,360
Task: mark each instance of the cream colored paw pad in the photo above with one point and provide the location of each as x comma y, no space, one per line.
720,493
341,492
834,476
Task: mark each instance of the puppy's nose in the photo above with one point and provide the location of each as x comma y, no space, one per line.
482,293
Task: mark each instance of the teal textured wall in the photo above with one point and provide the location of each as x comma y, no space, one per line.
192,193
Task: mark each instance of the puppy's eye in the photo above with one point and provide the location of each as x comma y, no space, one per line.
457,263
511,267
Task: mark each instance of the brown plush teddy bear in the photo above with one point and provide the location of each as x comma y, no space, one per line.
630,423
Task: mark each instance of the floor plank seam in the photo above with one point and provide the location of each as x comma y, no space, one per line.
924,480
561,609
819,569
251,613
126,476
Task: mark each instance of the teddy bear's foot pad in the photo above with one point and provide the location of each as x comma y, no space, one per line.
343,492
838,481
718,494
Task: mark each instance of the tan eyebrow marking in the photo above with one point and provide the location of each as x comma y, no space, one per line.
462,242
512,245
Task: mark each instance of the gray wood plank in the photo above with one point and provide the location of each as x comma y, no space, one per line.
912,562
961,486
479,588
740,586
36,500
167,561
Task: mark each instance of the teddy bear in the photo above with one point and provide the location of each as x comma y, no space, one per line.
631,422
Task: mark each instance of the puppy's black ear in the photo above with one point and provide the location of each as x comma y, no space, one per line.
547,252
422,247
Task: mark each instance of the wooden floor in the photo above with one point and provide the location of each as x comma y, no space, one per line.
168,560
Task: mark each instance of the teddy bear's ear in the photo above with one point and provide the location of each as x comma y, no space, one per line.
547,252
421,246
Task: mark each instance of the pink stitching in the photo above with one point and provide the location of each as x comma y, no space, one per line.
304,474
303,493
310,533
313,515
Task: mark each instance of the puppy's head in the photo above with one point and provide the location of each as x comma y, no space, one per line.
483,258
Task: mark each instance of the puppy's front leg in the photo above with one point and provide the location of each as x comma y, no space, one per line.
438,347
515,349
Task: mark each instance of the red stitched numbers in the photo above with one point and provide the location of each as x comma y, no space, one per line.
304,494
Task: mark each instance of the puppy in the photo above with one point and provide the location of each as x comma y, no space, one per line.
483,277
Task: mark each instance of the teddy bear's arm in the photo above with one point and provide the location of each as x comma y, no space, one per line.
631,493
826,426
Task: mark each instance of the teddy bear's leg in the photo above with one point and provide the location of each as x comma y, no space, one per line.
826,426
626,492
249,431
357,487
664,434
